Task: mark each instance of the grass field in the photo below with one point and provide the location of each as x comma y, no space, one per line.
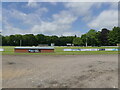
9,50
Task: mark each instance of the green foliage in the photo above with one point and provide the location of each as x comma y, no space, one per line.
77,41
29,40
92,38
114,36
104,37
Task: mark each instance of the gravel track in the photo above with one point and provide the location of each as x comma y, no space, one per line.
57,71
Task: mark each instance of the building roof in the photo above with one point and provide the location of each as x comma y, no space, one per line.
34,48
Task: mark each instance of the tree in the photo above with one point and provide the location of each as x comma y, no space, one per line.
4,41
83,38
104,37
18,37
92,38
54,39
41,39
114,36
29,40
77,41
11,40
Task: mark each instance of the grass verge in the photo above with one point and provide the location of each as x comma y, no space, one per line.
9,50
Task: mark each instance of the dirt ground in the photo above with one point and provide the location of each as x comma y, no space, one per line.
57,71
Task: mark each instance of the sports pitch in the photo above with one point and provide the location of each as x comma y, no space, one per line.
9,50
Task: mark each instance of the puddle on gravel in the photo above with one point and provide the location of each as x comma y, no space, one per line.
11,63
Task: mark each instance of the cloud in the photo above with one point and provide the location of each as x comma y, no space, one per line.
32,3
61,23
106,19
88,18
113,5
83,8
54,29
26,18
64,17
51,28
10,30
22,18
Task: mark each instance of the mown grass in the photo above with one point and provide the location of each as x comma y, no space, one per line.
9,50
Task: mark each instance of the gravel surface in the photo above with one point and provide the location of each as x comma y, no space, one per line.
57,71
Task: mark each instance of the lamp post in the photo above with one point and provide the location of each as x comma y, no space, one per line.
86,40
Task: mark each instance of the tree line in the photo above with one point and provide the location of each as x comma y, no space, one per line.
104,37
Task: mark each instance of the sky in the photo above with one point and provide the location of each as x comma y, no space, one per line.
57,18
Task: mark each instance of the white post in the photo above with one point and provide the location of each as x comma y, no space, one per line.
86,41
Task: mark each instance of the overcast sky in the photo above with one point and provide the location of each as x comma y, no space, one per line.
57,18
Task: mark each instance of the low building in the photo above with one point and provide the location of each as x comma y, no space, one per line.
34,49
70,44
52,44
